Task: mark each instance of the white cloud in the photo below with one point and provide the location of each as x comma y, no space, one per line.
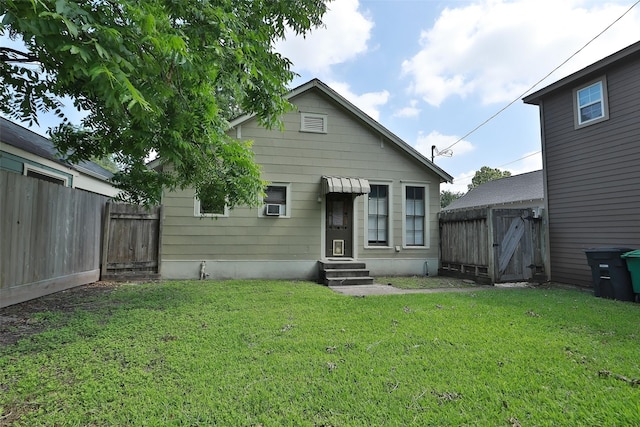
496,49
442,142
411,111
530,162
345,35
367,102
460,182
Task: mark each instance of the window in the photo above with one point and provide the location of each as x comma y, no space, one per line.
316,123
414,216
378,216
591,103
211,204
45,175
277,195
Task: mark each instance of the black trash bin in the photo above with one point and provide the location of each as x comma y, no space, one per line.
609,273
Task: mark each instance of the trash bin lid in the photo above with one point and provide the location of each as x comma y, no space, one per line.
607,250
632,254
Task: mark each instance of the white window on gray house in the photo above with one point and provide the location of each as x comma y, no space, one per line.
378,215
276,201
414,216
591,103
315,123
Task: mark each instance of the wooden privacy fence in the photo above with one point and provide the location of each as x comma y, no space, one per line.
50,237
492,245
131,248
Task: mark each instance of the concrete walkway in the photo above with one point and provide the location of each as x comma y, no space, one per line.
363,290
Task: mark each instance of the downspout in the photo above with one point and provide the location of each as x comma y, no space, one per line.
545,217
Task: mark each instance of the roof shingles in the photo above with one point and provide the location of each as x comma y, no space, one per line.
513,189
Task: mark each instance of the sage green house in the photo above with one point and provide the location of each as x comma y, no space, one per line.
341,187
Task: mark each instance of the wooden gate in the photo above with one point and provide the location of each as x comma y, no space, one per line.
492,245
131,242
513,237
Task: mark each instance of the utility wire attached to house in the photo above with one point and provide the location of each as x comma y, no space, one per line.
542,79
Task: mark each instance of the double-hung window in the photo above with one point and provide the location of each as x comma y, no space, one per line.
415,216
591,103
378,216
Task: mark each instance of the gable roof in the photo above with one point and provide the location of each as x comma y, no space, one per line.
513,189
316,84
585,73
20,137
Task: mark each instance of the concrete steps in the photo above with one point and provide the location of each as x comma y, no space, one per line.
343,273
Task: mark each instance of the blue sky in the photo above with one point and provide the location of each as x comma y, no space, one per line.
433,70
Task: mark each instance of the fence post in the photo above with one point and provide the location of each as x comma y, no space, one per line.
160,227
105,239
491,249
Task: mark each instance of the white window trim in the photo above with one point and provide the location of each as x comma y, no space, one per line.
287,214
426,228
28,167
605,104
389,217
197,213
324,118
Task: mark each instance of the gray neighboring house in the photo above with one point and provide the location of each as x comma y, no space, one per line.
590,128
27,153
341,188
518,191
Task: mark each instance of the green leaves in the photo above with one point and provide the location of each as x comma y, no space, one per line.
446,197
156,75
486,174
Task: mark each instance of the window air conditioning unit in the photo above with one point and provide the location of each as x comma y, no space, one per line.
273,210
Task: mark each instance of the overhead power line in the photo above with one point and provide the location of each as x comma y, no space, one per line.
543,78
521,158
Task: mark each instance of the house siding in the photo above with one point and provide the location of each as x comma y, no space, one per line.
20,148
592,174
246,243
14,163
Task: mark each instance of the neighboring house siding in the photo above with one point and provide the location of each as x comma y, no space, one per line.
300,159
28,153
592,175
15,163
94,185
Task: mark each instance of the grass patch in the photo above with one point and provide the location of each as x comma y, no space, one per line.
424,282
294,353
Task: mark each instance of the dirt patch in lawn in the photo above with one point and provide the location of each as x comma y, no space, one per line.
30,317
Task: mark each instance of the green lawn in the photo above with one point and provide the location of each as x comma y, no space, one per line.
260,353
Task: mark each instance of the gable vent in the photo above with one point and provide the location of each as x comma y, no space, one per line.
313,123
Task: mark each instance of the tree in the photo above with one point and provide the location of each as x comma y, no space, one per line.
486,174
155,75
107,163
446,197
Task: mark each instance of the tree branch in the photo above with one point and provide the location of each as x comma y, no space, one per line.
8,54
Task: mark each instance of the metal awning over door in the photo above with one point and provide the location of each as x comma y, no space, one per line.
336,184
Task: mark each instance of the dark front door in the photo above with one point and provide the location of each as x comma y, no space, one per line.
339,225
